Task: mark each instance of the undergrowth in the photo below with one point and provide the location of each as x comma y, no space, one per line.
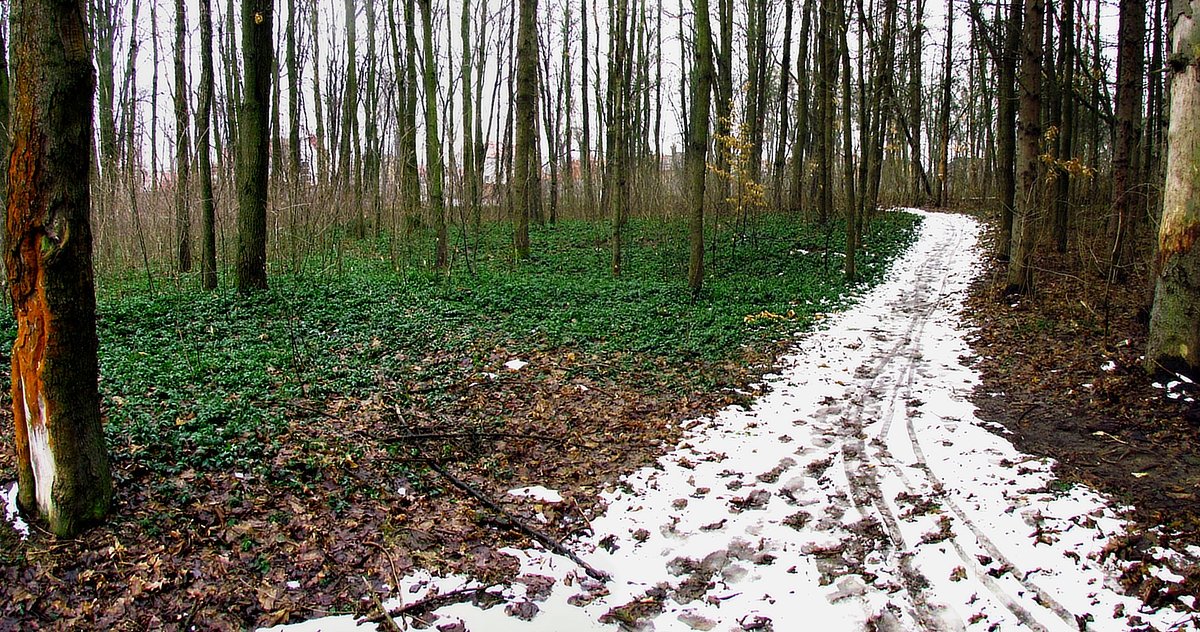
207,380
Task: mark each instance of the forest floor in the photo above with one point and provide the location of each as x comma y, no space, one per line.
856,477
873,487
274,455
1062,371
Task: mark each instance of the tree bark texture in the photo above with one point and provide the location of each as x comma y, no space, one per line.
183,215
1029,135
1130,62
526,174
697,144
62,464
253,135
1174,341
208,255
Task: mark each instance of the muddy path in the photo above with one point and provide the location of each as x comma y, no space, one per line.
860,492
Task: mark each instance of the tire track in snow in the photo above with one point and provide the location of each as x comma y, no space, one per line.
907,350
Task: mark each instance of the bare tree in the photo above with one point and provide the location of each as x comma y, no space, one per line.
183,217
208,256
253,136
1028,201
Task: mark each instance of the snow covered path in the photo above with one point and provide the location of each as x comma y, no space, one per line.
860,493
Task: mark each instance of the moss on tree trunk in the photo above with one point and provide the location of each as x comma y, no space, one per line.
1174,341
62,466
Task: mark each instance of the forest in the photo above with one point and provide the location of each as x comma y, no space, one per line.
315,308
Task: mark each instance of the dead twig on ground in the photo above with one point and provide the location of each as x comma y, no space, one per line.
545,539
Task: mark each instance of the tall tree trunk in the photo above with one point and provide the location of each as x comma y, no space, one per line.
208,257
1130,62
697,144
105,17
756,71
470,174
585,137
617,173
62,464
5,124
851,205
943,192
348,175
293,72
253,136
916,25
183,215
321,149
372,156
1066,130
526,175
1174,341
1028,202
410,180
802,118
827,64
435,169
1006,125
785,75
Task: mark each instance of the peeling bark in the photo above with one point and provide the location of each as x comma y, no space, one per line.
1174,341
62,467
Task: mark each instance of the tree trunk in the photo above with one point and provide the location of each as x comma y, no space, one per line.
802,118
843,27
105,17
434,174
785,75
410,179
1066,130
470,173
293,72
62,465
1174,341
321,148
253,135
697,144
943,192
348,176
1028,202
373,153
825,91
183,215
617,173
5,123
208,258
526,175
1006,125
1130,62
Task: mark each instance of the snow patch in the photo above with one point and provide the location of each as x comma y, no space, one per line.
537,493
11,514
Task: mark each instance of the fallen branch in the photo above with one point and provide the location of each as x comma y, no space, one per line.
461,435
546,540
432,602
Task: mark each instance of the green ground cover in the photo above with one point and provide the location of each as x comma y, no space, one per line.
205,380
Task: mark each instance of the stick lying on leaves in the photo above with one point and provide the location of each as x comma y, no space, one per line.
546,540
432,602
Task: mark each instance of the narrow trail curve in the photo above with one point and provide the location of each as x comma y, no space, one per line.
859,493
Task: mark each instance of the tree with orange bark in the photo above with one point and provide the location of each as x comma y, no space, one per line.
62,465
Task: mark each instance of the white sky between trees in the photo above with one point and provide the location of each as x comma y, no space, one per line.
448,44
